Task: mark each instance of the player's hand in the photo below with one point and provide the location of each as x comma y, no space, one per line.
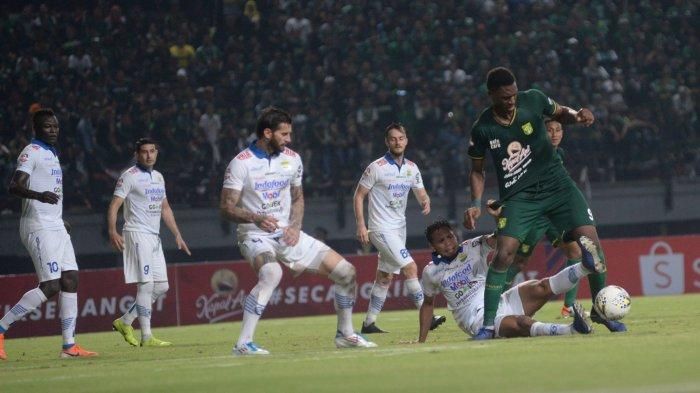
362,235
181,245
426,207
117,241
585,117
291,236
267,223
471,215
490,209
48,197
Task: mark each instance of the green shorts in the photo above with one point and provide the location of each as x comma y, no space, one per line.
557,202
542,227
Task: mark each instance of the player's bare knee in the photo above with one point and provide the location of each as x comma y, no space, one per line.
69,281
50,288
503,258
410,270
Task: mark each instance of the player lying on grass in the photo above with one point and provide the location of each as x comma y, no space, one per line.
458,272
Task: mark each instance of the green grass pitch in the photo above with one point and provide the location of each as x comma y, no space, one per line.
660,353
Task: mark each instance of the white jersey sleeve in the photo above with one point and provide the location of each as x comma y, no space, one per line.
27,160
123,186
431,286
417,178
236,173
369,176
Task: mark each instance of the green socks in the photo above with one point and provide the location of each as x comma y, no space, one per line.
495,284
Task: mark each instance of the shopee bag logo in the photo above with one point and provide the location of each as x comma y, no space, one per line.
662,270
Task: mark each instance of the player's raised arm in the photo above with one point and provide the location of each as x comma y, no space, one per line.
358,202
425,317
169,219
476,183
565,115
115,238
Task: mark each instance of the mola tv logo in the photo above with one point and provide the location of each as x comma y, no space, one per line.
226,301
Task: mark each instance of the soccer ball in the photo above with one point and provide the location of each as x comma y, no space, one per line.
612,303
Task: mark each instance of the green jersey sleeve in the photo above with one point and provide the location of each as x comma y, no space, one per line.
546,105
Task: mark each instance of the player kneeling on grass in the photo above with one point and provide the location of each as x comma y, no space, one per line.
458,271
262,192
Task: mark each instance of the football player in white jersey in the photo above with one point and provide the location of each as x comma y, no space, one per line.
388,181
262,192
141,189
38,180
458,272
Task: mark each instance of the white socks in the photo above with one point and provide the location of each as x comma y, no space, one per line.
376,301
29,302
159,289
550,329
345,292
567,278
269,277
415,291
69,315
144,296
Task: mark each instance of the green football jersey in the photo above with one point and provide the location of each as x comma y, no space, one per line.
522,151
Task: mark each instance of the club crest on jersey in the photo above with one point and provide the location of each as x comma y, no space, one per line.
527,128
524,248
284,164
502,222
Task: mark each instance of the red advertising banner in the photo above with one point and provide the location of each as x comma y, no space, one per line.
215,292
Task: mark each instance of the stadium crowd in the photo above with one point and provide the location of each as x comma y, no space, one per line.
195,78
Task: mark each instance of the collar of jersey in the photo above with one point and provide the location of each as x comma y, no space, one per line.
260,153
388,157
45,145
143,168
438,259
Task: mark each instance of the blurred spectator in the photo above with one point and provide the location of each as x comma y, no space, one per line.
345,70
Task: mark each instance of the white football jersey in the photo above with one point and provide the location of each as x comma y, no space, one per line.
264,182
143,192
40,161
461,281
389,185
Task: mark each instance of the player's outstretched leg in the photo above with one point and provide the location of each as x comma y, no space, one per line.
269,277
593,256
581,324
344,277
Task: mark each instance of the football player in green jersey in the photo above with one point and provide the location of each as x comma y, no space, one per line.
532,182
544,227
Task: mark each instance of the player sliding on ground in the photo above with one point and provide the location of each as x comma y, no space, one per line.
458,272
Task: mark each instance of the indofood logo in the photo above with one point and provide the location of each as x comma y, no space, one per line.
226,301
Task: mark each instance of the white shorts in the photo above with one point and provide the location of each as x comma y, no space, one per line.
51,251
307,254
143,258
393,254
510,304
